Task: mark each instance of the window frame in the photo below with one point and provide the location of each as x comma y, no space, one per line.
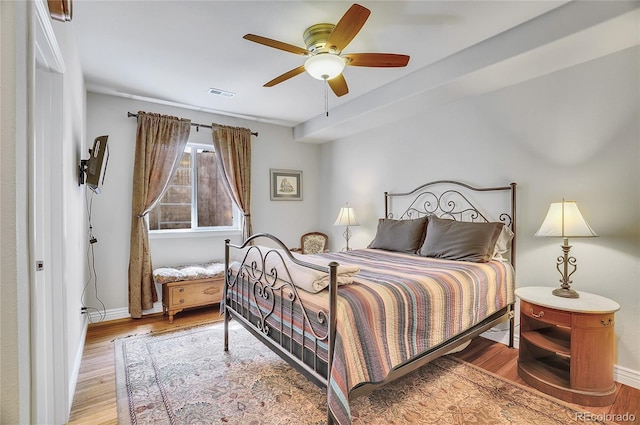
234,229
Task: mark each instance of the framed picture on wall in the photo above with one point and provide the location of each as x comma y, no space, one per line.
286,185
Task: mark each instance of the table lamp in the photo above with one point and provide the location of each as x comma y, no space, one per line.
564,220
346,217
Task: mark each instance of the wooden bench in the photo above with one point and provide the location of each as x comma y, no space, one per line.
190,286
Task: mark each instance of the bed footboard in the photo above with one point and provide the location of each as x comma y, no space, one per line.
260,294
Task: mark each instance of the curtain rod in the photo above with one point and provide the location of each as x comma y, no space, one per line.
193,124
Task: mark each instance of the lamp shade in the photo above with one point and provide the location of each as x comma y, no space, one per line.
324,66
564,220
346,217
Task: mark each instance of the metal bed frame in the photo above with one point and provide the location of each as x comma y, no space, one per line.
260,293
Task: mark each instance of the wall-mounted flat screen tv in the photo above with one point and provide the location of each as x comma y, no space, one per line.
97,163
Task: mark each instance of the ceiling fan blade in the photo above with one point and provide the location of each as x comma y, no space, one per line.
377,60
348,26
339,85
284,77
276,44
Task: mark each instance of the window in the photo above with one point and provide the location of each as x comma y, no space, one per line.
196,198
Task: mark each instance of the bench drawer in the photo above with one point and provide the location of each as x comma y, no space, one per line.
195,294
177,296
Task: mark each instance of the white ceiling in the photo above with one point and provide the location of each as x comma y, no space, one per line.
174,51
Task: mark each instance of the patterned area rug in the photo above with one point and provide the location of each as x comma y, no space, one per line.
185,377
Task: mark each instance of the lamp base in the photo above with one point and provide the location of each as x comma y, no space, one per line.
565,293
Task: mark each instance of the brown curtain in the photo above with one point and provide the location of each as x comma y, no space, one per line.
160,141
233,149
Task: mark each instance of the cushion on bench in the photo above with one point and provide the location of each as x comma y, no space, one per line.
188,272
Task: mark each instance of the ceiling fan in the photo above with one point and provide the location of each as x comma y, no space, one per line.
325,43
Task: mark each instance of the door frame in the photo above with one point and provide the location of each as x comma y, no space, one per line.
49,378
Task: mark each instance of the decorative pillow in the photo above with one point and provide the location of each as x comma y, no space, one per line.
460,240
502,244
400,235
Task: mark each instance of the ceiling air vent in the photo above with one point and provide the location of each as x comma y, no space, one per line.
223,93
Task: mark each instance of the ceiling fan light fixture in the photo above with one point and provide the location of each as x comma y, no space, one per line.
324,66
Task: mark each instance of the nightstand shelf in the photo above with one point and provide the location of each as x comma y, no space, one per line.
551,370
554,338
567,345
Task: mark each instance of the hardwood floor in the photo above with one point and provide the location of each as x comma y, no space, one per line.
95,397
501,360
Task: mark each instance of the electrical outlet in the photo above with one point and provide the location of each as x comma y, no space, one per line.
83,310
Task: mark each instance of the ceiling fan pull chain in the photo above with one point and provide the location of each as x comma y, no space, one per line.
326,97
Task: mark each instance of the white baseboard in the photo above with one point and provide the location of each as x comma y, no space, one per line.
119,313
75,371
626,376
621,374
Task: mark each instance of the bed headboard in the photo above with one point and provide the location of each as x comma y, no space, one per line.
458,201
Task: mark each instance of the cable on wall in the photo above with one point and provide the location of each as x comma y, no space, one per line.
91,263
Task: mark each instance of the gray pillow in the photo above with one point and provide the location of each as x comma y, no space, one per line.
400,235
459,240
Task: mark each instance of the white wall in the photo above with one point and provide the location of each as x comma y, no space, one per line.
73,243
273,148
572,133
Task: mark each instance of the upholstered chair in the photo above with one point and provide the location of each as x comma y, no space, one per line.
313,243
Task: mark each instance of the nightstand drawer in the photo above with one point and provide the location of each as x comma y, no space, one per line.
593,321
545,314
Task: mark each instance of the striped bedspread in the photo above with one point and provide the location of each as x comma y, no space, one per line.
400,305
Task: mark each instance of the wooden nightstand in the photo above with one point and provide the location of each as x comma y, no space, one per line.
567,345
